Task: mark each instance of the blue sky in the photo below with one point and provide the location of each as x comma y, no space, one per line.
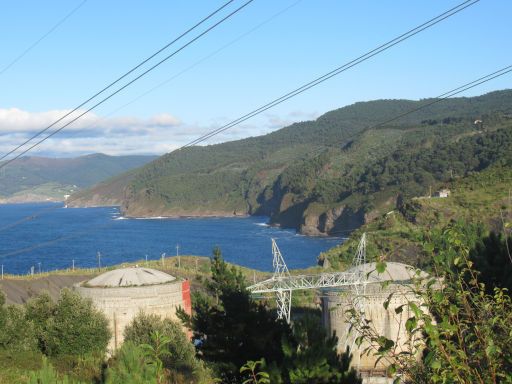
267,49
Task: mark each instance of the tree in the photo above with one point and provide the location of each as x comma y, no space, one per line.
492,261
72,326
181,360
236,330
462,333
131,366
48,375
255,375
231,328
155,353
16,333
40,311
311,356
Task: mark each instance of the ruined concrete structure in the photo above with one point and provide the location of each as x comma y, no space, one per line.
122,293
387,322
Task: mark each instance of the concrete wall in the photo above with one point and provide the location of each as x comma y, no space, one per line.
386,322
121,305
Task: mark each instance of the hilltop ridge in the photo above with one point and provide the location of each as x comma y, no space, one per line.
326,176
36,178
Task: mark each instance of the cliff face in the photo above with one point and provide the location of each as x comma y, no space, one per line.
327,176
335,221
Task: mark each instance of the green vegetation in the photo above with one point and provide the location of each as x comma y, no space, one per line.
69,335
179,359
234,331
71,326
39,178
479,202
461,333
329,175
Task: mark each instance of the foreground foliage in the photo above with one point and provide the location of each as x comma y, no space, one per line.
234,331
463,333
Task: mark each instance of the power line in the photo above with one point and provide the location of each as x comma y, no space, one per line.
124,76
338,70
387,45
28,218
35,43
453,92
440,98
35,215
321,79
280,100
212,54
57,240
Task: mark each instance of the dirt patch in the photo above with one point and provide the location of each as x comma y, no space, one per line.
18,291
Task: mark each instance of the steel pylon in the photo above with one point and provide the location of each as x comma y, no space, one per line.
283,296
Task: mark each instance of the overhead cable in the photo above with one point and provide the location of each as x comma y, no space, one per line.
35,43
337,71
125,75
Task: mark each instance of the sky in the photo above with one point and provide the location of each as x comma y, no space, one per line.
264,51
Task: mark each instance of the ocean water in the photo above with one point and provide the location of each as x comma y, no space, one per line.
49,236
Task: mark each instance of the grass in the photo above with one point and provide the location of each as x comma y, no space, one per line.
484,197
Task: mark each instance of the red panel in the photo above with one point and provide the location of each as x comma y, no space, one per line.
187,302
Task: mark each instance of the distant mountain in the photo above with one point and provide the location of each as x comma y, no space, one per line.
326,176
50,179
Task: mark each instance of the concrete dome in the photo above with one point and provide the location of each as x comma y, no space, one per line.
123,293
398,272
130,277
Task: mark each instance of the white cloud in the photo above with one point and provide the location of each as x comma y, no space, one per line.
157,134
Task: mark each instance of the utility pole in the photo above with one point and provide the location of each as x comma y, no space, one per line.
163,255
73,264
146,260
178,255
99,259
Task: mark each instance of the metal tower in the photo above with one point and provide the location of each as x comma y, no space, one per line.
283,296
282,284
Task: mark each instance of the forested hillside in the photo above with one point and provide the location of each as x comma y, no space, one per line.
325,176
478,203
30,178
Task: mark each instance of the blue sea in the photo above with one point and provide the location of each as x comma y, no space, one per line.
49,236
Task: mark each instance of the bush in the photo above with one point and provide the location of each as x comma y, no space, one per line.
72,326
130,366
181,361
16,333
48,375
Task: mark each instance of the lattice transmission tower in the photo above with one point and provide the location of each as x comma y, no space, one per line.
282,284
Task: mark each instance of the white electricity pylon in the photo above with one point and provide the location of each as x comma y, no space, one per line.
282,284
283,295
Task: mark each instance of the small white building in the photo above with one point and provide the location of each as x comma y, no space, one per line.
442,193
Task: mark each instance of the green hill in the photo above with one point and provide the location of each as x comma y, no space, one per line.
324,176
41,178
477,203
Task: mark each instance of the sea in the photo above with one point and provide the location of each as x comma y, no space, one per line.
47,236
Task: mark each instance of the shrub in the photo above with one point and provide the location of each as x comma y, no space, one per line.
181,360
131,367
72,326
16,333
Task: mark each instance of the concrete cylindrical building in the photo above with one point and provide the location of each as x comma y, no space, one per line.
370,301
122,293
